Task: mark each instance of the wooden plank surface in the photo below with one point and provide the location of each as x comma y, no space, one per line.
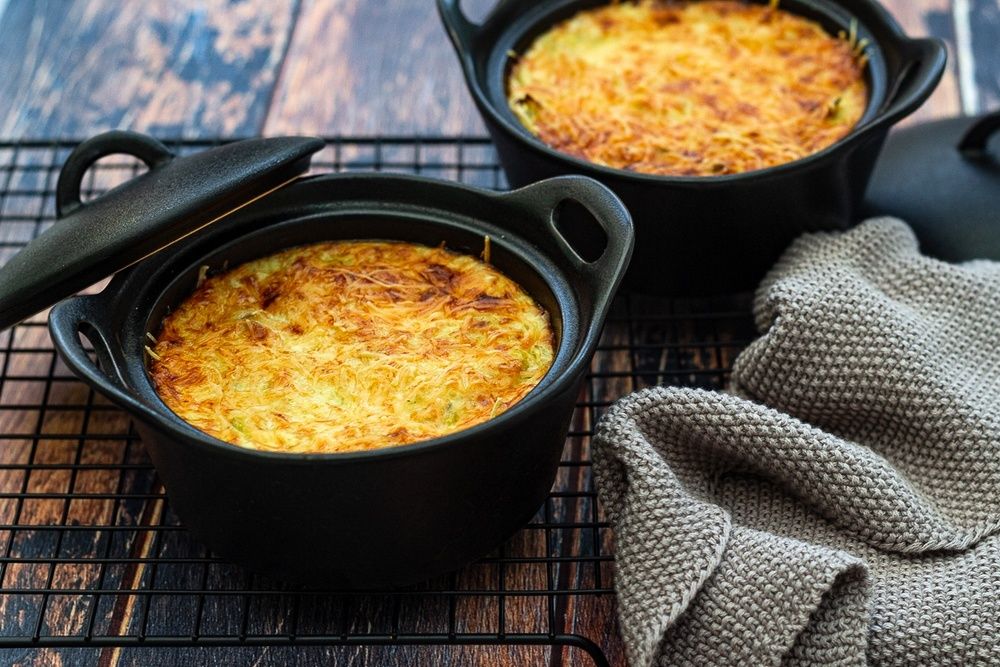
169,67
933,17
218,67
363,68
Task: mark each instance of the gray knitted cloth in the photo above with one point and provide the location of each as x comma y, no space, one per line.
842,505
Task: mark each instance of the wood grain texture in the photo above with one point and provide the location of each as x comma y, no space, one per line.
185,67
932,18
364,68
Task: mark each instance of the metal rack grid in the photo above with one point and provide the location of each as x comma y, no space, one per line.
91,556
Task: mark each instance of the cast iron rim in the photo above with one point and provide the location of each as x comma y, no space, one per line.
871,121
555,380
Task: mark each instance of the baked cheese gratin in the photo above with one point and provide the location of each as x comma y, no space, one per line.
689,88
350,345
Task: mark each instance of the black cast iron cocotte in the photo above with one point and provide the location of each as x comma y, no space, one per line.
697,235
379,518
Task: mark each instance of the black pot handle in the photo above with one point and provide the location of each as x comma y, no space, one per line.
85,314
974,144
462,31
149,150
924,62
606,271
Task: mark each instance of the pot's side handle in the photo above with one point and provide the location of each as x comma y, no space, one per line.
975,142
924,62
462,31
149,150
67,320
543,198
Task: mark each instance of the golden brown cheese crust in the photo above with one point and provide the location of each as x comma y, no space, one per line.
349,345
689,88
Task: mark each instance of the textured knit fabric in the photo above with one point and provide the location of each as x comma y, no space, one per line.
841,505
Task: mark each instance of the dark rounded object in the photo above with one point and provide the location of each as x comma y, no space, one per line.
376,518
720,233
176,197
943,179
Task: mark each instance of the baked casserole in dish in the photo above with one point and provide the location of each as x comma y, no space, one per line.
689,88
716,193
350,345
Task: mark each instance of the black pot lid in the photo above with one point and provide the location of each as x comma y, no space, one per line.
943,178
175,198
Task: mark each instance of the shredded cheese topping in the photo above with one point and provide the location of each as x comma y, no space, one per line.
350,345
689,88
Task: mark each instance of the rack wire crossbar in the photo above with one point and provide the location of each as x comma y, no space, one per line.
91,554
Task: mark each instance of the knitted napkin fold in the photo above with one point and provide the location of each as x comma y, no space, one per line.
841,506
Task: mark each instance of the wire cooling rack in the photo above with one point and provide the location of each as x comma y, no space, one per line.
94,566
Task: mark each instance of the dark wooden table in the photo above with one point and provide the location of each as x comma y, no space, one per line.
209,68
